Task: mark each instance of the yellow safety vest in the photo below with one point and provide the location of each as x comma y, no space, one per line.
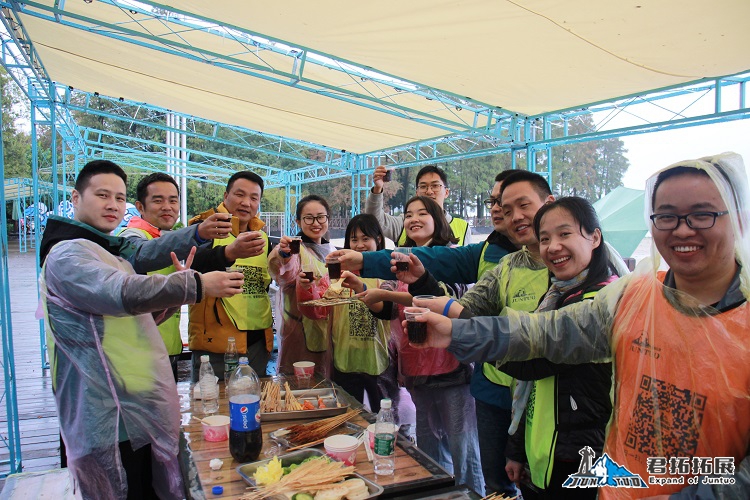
251,309
170,328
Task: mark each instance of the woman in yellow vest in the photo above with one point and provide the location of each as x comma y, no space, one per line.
562,408
360,340
302,338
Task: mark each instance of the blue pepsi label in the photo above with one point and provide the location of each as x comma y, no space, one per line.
244,412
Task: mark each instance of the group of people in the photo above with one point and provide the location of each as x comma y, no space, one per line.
503,398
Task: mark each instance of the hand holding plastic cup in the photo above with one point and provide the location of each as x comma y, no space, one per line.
304,371
416,330
388,175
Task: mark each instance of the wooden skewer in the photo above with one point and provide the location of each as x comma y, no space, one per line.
306,445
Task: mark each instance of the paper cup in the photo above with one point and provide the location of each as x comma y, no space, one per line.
215,428
304,371
342,448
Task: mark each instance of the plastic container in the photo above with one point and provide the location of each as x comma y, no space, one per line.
385,440
215,428
245,434
231,359
209,387
342,447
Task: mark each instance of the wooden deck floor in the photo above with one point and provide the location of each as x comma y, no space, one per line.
38,423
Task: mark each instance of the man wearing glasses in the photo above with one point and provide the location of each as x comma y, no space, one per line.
247,316
680,339
431,182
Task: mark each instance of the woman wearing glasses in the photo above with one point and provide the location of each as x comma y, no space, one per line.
302,338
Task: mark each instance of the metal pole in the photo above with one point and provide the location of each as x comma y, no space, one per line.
183,179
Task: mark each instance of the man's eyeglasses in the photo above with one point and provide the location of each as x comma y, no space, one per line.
310,219
491,201
695,220
434,187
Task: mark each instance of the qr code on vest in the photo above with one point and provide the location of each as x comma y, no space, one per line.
680,414
253,280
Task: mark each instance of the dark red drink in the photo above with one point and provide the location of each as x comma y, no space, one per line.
334,270
294,246
402,265
245,446
417,332
309,275
387,177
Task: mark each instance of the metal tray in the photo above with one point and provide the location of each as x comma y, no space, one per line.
246,471
345,428
329,396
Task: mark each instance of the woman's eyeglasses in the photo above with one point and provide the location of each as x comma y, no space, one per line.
310,219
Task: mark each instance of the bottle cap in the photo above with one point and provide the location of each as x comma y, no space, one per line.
385,403
217,490
204,358
244,361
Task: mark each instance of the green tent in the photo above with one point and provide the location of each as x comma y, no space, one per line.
623,223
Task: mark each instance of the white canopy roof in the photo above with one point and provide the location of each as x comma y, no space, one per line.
526,56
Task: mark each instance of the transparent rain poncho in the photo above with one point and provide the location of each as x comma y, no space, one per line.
109,365
682,370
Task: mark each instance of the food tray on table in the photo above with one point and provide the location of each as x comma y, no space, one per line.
329,397
345,428
325,302
246,471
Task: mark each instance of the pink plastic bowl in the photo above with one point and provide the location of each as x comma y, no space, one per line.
215,428
342,448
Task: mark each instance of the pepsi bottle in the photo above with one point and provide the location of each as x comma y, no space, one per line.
245,435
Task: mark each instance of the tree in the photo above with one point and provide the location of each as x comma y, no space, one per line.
16,142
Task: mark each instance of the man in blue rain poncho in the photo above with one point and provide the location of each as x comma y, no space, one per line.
116,397
680,339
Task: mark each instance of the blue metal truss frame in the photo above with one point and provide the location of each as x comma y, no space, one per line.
489,130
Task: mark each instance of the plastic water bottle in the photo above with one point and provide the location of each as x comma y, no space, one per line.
209,388
231,359
245,435
385,440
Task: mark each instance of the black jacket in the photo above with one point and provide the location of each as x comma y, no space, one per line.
582,400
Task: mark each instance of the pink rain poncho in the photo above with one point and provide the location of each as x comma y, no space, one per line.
109,365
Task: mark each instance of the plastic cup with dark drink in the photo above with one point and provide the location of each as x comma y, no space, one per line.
402,258
309,275
388,175
334,268
416,330
294,245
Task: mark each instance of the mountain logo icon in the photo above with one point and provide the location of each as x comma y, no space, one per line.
603,472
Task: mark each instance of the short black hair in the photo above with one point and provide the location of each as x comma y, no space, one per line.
247,175
96,167
505,174
369,226
674,172
538,183
432,169
307,199
142,189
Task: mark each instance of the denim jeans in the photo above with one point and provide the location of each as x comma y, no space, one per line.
447,431
492,427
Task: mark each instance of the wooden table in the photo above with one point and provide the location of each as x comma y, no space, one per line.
415,472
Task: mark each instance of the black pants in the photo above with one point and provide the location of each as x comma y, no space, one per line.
357,383
137,465
560,472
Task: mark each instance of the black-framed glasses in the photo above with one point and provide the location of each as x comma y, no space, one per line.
492,201
310,219
434,187
695,220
